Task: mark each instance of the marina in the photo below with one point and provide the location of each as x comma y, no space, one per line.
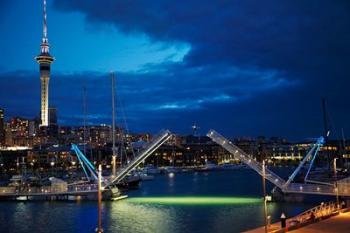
232,201
59,188
250,98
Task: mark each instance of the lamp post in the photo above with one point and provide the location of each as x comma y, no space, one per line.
32,165
114,154
52,163
99,197
336,182
264,193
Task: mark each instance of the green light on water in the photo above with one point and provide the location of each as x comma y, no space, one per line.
195,200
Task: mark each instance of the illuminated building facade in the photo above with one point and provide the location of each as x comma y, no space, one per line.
2,128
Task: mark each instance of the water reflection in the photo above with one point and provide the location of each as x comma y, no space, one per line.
182,214
186,203
125,216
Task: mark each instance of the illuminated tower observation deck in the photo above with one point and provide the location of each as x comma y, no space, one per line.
44,59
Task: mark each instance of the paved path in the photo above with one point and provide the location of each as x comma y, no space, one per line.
336,224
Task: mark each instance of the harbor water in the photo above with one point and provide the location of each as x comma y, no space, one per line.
191,202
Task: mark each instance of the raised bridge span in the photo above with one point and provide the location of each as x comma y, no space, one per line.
86,189
147,151
285,186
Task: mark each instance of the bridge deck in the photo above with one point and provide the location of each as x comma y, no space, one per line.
83,189
343,187
75,190
147,151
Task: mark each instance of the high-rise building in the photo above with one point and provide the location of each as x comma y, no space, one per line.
52,129
32,129
44,59
19,127
17,132
2,128
52,116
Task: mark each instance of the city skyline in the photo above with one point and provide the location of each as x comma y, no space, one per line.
230,73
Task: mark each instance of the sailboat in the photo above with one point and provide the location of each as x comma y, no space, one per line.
131,181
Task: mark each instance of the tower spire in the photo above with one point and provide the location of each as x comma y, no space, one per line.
44,23
45,41
44,59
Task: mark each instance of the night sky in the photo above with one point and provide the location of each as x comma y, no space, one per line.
242,67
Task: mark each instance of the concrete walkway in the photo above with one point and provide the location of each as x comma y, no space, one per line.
337,224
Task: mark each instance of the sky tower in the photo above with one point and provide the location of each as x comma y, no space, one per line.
44,59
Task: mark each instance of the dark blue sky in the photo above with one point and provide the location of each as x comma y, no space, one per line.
243,67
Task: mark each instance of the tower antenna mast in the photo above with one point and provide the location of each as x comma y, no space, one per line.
44,59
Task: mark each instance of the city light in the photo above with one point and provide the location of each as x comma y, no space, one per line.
239,73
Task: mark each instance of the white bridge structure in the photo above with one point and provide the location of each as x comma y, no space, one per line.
341,187
142,155
79,189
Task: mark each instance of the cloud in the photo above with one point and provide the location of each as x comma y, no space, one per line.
139,95
194,104
249,67
272,34
305,42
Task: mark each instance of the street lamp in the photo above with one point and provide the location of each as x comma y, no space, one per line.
32,165
336,182
99,198
52,163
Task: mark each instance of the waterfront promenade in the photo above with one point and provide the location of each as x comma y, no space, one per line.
335,224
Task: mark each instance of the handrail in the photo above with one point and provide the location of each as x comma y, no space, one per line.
245,158
148,150
321,211
305,188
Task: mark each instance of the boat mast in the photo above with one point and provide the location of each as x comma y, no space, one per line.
326,129
343,146
84,118
114,156
325,119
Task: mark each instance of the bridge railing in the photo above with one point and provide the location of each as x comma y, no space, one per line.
344,186
321,211
147,151
310,188
245,158
82,187
306,188
7,190
47,189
